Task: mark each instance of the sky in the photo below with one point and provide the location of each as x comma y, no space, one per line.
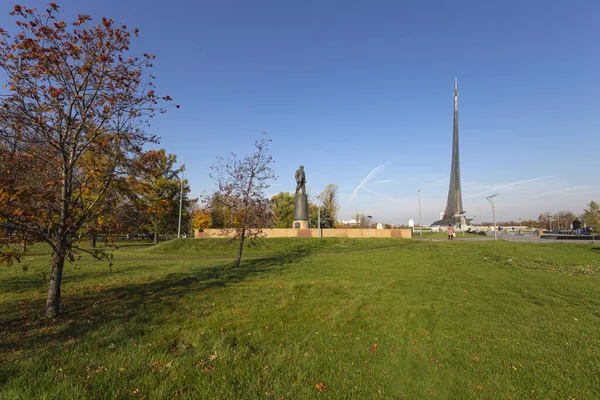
361,94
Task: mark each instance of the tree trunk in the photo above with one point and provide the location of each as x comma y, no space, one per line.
63,241
52,301
155,230
93,239
241,249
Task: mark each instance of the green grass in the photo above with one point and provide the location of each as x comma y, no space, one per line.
367,318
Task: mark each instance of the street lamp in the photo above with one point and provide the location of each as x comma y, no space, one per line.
489,198
370,218
420,227
594,228
180,202
319,214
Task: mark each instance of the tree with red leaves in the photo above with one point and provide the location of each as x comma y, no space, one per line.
241,189
74,95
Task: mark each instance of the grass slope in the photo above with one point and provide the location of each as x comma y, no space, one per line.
307,318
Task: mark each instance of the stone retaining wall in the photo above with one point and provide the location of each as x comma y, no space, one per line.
340,233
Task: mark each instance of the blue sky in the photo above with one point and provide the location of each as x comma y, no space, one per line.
361,94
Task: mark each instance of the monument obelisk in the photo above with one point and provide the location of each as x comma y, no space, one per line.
301,203
453,213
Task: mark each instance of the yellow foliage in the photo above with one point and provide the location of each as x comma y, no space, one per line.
238,218
201,220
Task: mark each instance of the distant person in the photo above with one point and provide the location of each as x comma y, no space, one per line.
577,226
450,232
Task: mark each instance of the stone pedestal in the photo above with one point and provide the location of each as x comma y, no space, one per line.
301,212
301,224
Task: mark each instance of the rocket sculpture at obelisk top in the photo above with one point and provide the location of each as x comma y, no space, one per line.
454,206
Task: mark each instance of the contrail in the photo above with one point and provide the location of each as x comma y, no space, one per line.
495,188
380,195
560,191
529,180
362,183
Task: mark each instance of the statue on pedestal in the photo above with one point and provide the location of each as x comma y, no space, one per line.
301,201
300,180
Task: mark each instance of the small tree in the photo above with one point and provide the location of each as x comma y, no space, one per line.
157,188
219,214
362,220
313,214
544,220
72,91
591,215
283,205
201,219
241,190
330,206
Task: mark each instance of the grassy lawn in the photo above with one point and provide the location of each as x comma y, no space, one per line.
309,318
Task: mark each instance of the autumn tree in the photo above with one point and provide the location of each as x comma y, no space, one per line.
544,220
94,164
283,204
72,89
241,185
127,211
156,190
199,215
591,215
530,223
362,220
200,220
564,219
219,214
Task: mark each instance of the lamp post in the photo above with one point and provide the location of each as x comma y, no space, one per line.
592,232
420,227
489,198
370,218
319,214
180,202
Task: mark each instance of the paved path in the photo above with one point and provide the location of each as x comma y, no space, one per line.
514,238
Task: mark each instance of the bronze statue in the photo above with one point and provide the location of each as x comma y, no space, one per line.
300,180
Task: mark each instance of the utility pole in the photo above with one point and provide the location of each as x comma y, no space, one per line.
180,201
420,227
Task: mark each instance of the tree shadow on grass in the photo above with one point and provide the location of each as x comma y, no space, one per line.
135,309
34,278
